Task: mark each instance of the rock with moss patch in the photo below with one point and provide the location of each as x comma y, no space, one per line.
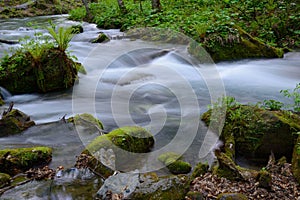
14,122
52,71
254,133
179,167
232,196
101,38
77,29
122,149
4,180
235,44
144,187
172,161
14,161
194,195
86,119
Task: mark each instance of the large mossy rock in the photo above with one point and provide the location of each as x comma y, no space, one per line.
253,133
54,71
14,122
235,44
14,161
120,149
144,187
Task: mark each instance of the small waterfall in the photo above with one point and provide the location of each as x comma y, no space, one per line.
4,93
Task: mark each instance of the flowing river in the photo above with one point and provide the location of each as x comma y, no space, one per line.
132,82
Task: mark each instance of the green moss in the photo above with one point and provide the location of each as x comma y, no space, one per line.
119,143
253,132
86,118
199,170
13,161
237,44
4,180
130,138
264,179
179,167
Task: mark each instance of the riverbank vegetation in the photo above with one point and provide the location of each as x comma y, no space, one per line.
30,8
211,23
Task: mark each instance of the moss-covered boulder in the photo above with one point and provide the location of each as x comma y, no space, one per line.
253,133
14,122
232,196
52,71
101,38
235,44
172,161
144,187
118,149
4,179
14,161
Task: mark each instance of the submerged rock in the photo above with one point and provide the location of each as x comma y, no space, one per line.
52,71
14,161
101,38
144,187
121,149
14,122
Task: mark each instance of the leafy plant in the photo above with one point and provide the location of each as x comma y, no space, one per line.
62,36
272,104
294,95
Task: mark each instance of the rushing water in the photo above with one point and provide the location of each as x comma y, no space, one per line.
134,82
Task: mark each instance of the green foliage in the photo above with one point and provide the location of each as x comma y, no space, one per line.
36,46
276,22
62,36
295,96
272,104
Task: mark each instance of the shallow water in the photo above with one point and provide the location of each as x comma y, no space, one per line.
138,83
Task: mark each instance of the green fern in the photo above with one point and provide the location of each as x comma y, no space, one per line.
62,37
